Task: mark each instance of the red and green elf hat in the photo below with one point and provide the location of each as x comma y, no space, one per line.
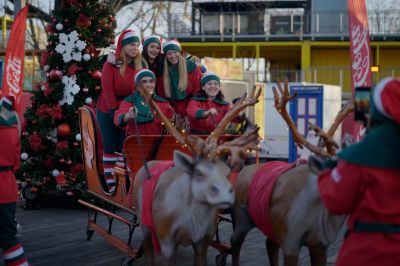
172,45
126,37
152,39
143,73
385,102
207,76
7,102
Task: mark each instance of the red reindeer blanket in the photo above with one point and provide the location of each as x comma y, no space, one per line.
259,195
147,203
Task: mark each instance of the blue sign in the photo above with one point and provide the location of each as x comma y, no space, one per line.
304,109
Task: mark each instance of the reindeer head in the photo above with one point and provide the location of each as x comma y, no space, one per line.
211,163
208,179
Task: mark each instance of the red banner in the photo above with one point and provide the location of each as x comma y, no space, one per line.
13,77
360,53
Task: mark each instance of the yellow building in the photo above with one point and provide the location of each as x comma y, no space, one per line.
304,40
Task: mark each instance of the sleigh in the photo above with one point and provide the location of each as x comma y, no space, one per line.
136,151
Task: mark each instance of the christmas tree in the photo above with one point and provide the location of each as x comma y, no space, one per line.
51,149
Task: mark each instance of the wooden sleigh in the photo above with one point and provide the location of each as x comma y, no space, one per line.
136,150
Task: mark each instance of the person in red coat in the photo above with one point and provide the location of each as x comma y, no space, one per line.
13,252
135,108
207,110
116,83
180,82
365,184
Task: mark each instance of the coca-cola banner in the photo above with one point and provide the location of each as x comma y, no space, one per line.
13,77
360,53
360,49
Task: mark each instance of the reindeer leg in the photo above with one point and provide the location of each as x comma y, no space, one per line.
317,255
291,259
243,225
200,252
273,252
147,246
168,249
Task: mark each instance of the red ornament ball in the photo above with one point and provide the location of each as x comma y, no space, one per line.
63,130
55,74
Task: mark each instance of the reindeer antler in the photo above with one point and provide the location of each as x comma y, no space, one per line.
331,145
232,114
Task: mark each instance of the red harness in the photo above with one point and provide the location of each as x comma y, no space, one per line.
259,194
147,202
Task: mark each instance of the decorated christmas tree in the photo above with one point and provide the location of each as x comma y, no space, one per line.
51,149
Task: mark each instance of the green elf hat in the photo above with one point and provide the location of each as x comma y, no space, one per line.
386,100
151,39
207,76
7,102
143,73
126,37
172,45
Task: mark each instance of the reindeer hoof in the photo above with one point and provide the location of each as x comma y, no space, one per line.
220,259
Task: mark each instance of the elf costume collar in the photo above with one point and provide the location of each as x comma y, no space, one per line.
145,113
177,94
381,146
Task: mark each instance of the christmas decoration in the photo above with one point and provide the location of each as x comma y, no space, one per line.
63,130
70,89
50,142
70,46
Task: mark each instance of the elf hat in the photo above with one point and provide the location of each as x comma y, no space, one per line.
385,102
207,76
126,37
144,73
7,102
152,39
172,45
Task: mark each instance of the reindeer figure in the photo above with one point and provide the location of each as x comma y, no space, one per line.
293,211
190,191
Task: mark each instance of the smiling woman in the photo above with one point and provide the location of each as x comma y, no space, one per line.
207,110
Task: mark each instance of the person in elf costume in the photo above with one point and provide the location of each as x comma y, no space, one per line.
135,107
180,82
10,148
116,83
364,182
207,110
151,55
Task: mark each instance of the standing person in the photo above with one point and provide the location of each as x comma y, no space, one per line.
152,54
116,84
181,80
10,148
365,184
135,107
207,110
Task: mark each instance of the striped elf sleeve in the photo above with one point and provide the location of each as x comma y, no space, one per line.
109,161
15,256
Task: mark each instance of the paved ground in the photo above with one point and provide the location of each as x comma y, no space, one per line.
57,237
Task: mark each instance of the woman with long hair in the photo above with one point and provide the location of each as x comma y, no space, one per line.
181,79
116,82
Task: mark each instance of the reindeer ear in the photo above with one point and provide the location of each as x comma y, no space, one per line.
183,161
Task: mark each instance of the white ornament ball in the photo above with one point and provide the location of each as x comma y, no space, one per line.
55,172
88,100
46,68
24,156
78,137
86,57
59,26
43,88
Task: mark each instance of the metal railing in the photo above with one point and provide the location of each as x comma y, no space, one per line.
291,22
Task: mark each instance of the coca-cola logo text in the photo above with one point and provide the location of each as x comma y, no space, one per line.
361,54
13,70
